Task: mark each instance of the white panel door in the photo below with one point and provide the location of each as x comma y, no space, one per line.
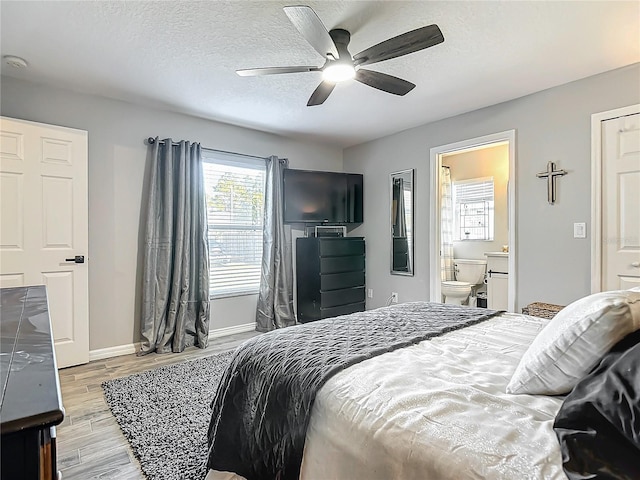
621,202
44,225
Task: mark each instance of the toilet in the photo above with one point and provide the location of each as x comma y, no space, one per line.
469,275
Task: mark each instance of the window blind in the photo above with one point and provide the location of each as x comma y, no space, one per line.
235,207
474,201
474,191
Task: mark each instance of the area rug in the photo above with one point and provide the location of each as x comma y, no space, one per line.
164,414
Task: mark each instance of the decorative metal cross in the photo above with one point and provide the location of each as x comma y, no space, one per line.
551,175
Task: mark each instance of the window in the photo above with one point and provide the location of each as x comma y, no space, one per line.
234,187
474,205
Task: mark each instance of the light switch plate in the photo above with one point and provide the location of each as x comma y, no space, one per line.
580,230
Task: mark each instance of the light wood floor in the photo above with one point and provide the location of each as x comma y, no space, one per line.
90,443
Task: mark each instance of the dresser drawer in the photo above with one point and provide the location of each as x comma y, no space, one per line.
341,264
341,310
335,281
341,247
334,298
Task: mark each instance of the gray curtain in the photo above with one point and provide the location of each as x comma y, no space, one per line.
400,224
446,225
175,290
275,302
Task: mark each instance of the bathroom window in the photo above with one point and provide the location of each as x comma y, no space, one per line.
474,204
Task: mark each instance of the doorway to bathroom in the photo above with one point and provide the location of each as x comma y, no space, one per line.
472,198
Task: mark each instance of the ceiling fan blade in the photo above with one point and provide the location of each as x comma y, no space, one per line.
404,44
321,93
384,82
252,72
312,29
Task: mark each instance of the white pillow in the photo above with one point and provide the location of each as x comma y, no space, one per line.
574,341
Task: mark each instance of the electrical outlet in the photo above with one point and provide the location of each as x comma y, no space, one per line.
370,293
394,297
579,230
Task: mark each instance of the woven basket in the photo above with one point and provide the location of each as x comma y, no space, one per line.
543,310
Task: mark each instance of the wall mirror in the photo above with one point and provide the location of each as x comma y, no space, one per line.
402,188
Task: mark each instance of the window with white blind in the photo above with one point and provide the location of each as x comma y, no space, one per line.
474,204
235,204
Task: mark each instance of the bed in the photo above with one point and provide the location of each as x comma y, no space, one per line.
431,409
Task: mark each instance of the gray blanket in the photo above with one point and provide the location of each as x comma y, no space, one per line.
261,410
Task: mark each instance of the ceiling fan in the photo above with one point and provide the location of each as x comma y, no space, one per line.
340,65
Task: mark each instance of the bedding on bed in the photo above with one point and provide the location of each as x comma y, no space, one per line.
437,410
598,425
575,341
263,404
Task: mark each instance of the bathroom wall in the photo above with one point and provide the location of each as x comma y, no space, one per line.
481,163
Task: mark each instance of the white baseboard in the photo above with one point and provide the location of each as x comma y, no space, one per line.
102,353
225,331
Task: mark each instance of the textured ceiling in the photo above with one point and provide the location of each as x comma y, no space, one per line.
183,55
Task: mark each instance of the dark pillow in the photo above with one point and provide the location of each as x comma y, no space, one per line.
598,425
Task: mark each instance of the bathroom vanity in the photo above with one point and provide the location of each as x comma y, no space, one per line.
497,280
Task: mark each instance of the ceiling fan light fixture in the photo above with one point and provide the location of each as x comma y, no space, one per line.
338,72
340,65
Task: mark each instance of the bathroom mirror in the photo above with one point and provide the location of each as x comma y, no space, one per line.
402,187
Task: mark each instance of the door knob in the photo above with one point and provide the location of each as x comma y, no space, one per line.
636,264
76,259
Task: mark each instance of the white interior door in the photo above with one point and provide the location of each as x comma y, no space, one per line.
44,225
621,202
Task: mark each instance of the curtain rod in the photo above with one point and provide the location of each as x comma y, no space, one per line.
152,140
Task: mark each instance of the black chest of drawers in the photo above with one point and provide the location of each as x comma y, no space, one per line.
330,277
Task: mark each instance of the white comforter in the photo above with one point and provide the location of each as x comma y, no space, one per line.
436,410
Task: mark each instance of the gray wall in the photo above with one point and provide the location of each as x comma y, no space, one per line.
117,166
554,124
551,125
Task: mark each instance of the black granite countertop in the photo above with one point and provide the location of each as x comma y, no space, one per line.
30,395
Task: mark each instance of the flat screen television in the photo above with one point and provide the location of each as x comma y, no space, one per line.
322,197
